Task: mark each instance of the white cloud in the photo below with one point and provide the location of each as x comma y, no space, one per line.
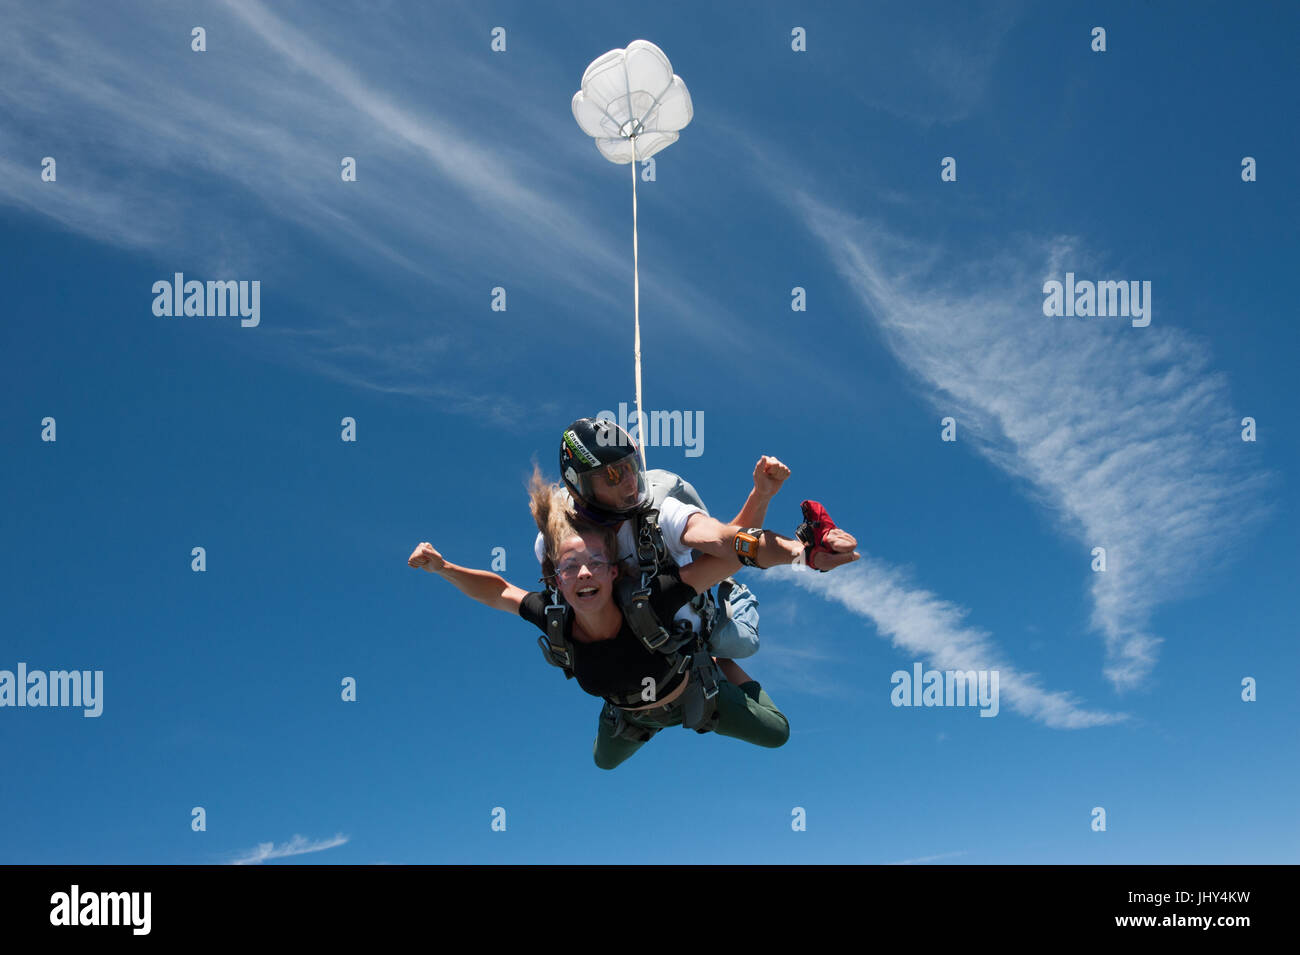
924,859
229,161
1124,434
929,628
296,846
795,668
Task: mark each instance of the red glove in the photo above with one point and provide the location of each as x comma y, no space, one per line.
817,523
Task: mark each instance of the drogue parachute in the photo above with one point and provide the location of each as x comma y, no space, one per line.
634,105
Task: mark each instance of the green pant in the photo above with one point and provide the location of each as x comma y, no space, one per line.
744,712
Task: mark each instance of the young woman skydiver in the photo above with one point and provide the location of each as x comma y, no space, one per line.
608,658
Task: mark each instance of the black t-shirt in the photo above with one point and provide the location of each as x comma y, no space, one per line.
616,667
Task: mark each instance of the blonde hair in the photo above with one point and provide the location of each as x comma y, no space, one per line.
552,510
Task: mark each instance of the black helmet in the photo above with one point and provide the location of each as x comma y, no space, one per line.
596,453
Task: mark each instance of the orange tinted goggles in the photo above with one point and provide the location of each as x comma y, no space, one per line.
618,472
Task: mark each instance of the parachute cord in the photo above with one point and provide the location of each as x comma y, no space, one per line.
636,310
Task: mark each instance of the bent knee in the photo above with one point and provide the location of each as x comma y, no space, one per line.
779,737
604,760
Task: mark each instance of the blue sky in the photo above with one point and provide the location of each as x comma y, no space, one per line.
818,169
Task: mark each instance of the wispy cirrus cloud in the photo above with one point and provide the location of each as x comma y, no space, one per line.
924,859
1125,434
148,130
298,845
930,628
948,54
800,668
471,174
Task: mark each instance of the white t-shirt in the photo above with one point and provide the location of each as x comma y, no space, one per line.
673,515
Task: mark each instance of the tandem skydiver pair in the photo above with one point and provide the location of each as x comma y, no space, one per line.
629,559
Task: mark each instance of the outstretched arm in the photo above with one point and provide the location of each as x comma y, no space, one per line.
483,585
712,537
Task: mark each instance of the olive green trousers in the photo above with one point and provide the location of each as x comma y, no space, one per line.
744,712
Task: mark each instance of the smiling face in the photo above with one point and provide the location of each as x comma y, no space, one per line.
585,570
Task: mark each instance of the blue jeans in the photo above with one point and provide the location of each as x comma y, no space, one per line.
735,630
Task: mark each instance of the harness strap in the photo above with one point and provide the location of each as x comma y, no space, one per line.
622,728
708,609
653,558
651,552
699,705
676,665
555,642
643,622
699,702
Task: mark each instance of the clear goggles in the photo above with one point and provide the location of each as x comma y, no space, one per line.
571,567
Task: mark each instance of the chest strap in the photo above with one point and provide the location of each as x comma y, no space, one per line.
555,641
651,551
654,558
642,621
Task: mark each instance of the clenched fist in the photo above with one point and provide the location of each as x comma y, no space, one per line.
426,558
769,475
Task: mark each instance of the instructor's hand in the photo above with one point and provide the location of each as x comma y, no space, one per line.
426,558
843,547
769,475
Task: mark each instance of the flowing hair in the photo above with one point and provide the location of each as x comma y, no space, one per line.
552,510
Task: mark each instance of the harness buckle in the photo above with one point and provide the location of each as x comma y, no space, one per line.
651,552
643,620
704,668
654,643
710,688
560,658
555,619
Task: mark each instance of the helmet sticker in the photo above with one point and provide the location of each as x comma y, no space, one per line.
580,450
571,476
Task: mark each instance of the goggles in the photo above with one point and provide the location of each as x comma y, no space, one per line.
571,568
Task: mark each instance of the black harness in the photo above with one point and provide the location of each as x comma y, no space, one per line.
679,643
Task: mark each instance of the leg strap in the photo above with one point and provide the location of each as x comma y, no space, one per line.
699,702
622,729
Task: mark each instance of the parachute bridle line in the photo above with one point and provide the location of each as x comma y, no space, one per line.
614,117
636,313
